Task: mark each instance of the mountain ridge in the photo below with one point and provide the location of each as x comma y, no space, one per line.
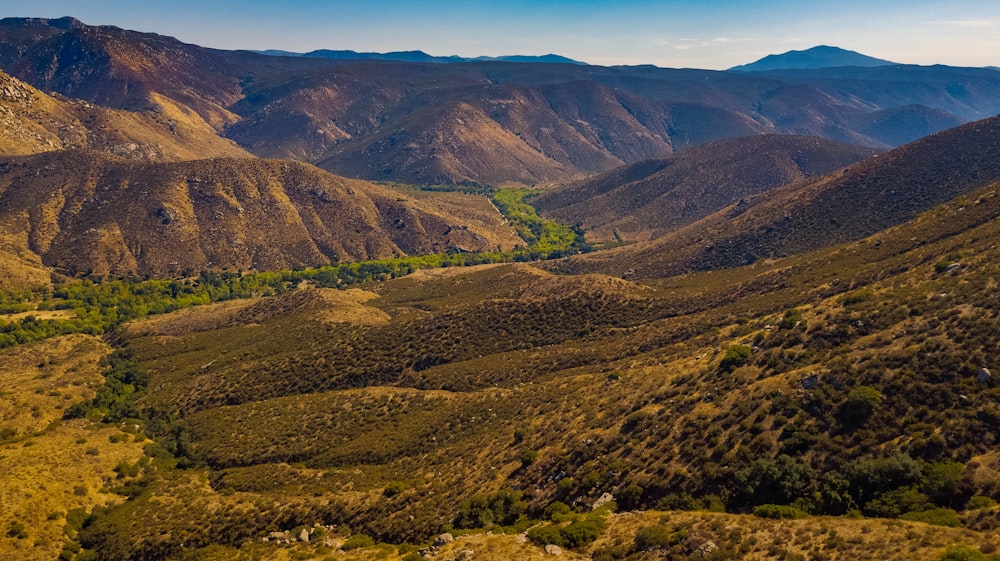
482,122
417,56
821,56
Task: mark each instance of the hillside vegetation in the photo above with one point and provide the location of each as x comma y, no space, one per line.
728,390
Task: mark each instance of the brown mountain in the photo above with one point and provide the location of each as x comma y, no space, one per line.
33,122
848,205
86,212
650,198
482,122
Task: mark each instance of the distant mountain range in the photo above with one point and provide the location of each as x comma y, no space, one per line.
517,123
817,57
418,56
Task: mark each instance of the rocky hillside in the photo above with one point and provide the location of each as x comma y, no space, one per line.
86,212
33,122
651,198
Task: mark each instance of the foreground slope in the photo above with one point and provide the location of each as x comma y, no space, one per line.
848,379
86,212
650,198
848,205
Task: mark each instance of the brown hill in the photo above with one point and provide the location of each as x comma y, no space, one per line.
853,203
118,68
33,122
484,122
653,197
85,212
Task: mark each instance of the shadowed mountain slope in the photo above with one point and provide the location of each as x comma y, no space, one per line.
94,213
651,198
853,203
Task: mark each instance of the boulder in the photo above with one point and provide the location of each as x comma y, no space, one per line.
984,375
706,549
443,539
603,500
553,549
810,382
304,535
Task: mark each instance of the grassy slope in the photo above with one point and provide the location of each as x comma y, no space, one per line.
52,467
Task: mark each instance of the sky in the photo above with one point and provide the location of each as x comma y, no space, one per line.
711,34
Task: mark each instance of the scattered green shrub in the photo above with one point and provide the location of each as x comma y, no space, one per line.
781,512
980,501
936,516
649,538
736,356
358,541
17,530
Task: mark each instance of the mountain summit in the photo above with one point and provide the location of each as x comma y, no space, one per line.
816,57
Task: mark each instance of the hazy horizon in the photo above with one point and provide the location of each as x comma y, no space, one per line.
710,35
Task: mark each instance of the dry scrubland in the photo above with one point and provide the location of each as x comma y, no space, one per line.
381,411
51,467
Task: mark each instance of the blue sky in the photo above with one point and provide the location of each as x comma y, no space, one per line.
712,34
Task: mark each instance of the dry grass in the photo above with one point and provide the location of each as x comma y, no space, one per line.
63,465
830,538
41,379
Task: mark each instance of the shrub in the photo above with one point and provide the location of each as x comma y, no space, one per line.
937,516
358,541
393,488
528,457
545,535
17,530
736,356
557,511
791,319
861,403
781,512
582,531
980,501
503,508
959,553
651,537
